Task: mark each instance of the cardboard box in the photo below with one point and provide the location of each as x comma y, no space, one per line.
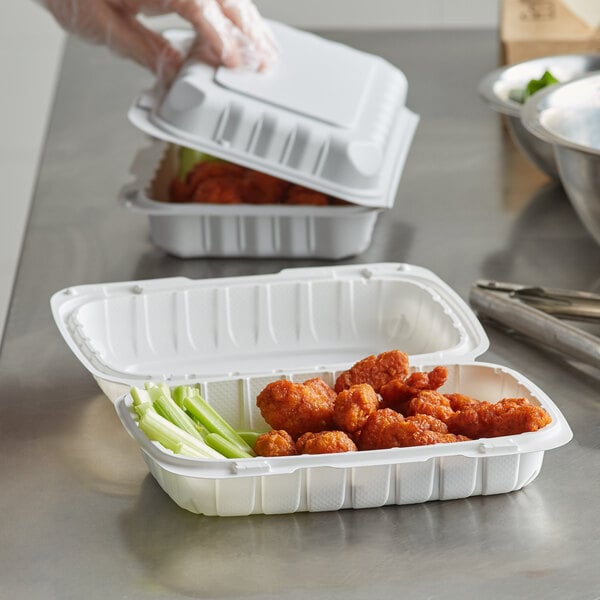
534,28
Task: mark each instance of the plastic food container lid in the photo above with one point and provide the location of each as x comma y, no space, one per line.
179,330
326,116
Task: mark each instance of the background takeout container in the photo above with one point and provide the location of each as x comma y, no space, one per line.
232,336
496,86
326,116
190,230
566,117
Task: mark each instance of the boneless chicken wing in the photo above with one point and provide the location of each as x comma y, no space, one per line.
275,443
219,190
430,402
205,170
378,431
377,404
219,182
297,407
320,387
353,406
460,401
260,188
325,442
179,191
376,370
389,429
300,195
398,392
509,416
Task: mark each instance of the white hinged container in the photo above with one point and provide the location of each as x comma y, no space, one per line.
188,230
234,335
327,116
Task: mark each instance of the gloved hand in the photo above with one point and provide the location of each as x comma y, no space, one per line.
228,32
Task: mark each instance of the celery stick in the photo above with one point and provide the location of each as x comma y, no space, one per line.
168,408
140,396
178,393
225,447
250,437
161,430
140,409
200,428
189,158
141,400
211,419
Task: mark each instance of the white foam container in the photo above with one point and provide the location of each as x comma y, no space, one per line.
232,336
327,116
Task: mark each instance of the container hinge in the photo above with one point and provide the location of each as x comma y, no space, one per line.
250,467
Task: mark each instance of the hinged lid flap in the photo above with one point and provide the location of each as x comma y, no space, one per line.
327,116
301,320
314,77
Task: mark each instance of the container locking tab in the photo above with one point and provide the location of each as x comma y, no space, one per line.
251,467
498,446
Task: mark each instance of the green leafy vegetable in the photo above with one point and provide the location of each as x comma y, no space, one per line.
521,94
537,84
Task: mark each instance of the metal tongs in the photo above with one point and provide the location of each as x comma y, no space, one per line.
538,313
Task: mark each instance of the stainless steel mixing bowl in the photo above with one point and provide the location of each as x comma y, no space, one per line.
495,89
567,118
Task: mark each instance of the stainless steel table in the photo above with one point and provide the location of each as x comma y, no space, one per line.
81,518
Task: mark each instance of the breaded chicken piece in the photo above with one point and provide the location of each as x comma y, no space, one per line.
339,202
430,402
389,429
218,190
319,386
398,393
376,370
275,443
378,430
260,188
430,422
460,401
325,442
298,194
353,406
179,191
213,169
509,416
296,407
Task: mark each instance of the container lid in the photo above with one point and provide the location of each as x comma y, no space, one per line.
325,116
302,319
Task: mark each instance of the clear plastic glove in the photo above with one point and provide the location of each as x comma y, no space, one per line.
228,32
